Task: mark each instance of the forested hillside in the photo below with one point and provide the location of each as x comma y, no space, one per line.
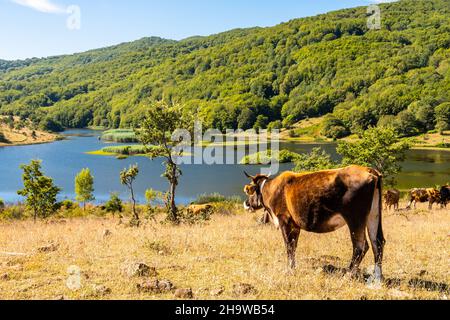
328,64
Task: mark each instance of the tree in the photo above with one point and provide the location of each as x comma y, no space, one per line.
127,177
443,117
160,123
334,128
261,122
39,190
2,205
152,196
246,119
275,125
317,160
49,124
379,148
84,187
114,204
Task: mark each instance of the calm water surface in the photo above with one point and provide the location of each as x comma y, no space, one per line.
62,160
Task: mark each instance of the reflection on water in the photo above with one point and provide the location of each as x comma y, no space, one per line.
62,160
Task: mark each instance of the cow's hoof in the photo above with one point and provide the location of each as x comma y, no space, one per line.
374,283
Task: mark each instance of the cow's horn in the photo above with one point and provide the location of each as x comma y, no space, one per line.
247,175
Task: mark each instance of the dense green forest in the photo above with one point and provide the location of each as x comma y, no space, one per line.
328,64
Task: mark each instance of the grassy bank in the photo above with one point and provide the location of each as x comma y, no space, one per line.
266,157
210,259
120,136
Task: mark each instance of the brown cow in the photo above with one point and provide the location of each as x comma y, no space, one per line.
323,202
445,196
392,198
199,209
431,196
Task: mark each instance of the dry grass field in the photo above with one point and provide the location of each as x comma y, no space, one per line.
25,136
214,257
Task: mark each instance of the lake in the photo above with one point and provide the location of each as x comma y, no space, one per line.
62,160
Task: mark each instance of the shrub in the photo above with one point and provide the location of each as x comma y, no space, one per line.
275,125
114,204
316,160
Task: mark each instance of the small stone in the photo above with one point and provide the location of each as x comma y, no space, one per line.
423,273
101,290
217,292
60,298
242,289
184,294
140,269
106,233
4,276
155,286
52,247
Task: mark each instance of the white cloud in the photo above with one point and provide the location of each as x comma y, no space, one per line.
45,6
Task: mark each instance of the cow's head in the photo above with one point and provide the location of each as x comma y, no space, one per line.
254,200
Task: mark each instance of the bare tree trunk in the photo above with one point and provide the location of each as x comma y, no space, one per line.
173,186
136,216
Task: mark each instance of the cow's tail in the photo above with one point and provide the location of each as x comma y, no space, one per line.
379,187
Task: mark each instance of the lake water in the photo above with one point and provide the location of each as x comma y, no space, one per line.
62,160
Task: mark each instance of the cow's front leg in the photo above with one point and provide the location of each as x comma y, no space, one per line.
291,234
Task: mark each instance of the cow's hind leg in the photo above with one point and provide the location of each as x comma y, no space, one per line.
375,230
360,247
291,234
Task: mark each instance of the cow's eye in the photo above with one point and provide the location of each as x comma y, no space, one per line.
250,190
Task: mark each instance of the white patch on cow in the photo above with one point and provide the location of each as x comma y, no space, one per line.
246,207
276,222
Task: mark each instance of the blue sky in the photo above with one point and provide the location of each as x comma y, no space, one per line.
38,28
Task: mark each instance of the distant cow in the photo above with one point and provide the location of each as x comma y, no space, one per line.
323,202
445,196
197,210
431,196
392,198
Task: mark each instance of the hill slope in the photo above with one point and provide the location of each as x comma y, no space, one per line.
307,67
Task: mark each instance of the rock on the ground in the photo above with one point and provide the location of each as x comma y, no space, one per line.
106,233
4,276
242,289
52,247
139,269
155,286
101,290
184,294
217,292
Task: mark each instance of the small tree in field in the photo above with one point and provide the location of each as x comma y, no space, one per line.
84,187
39,190
317,160
114,204
160,123
127,177
379,148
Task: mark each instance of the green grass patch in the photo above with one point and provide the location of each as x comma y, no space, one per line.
120,136
266,157
122,152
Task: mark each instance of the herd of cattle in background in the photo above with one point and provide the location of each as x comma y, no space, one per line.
432,196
